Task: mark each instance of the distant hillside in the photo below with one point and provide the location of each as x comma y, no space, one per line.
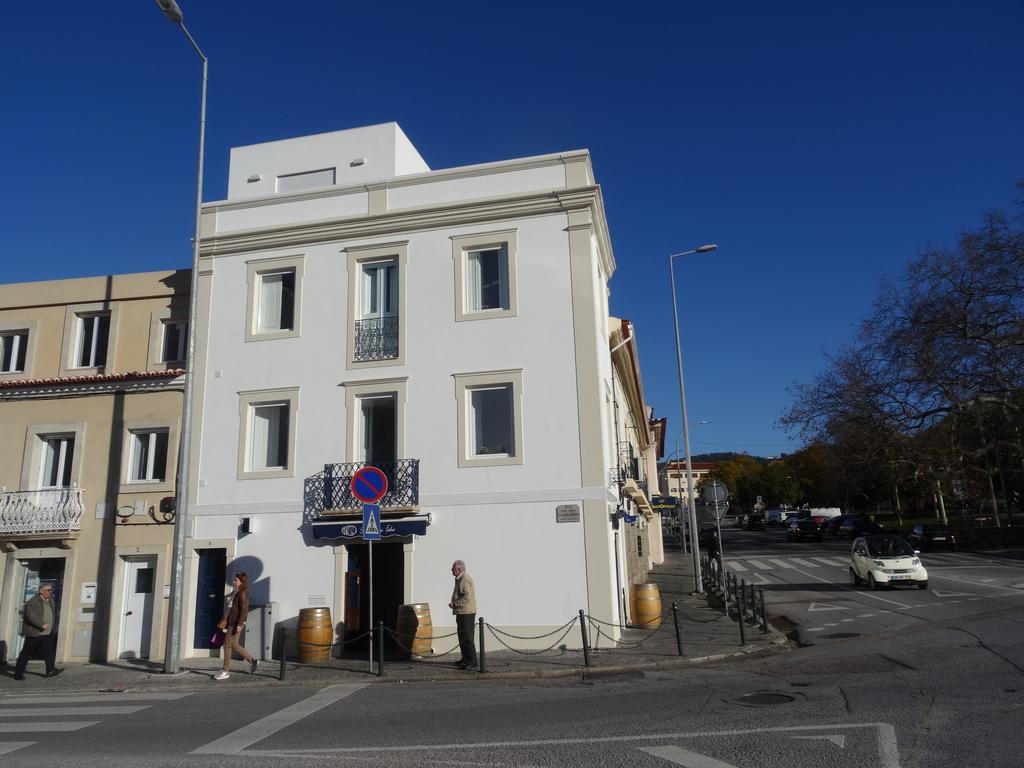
724,456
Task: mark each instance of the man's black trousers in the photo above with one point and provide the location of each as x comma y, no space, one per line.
465,623
46,645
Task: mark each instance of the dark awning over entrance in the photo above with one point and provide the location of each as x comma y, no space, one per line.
352,528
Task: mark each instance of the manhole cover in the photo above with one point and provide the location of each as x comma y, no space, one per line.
764,699
841,635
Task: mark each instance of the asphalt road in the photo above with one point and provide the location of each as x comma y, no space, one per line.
939,683
808,583
933,696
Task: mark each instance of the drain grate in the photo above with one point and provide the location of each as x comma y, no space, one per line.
764,699
841,635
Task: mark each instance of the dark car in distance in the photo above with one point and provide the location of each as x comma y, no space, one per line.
926,536
803,528
855,526
753,522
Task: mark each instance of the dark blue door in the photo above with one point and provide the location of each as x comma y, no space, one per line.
209,594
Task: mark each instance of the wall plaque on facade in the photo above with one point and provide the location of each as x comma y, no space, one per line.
567,513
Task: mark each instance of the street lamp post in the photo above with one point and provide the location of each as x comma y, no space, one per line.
698,584
172,652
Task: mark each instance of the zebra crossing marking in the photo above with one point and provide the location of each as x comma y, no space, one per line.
833,561
735,565
806,563
757,564
781,563
65,711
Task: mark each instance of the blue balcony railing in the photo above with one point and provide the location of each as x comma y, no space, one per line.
331,490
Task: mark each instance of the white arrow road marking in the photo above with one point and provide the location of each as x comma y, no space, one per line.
821,607
885,736
681,756
10,746
950,594
271,724
836,739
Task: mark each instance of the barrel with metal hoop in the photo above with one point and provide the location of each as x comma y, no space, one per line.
646,605
414,629
316,634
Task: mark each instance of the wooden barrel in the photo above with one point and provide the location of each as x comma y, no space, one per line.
316,633
646,605
414,629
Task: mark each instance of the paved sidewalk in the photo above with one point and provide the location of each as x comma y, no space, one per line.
707,635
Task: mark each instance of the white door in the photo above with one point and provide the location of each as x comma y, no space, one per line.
137,622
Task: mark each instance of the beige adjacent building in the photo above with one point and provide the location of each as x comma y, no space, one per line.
91,386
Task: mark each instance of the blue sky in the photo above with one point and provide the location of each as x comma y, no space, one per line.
820,145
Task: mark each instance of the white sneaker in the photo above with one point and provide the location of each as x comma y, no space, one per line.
222,676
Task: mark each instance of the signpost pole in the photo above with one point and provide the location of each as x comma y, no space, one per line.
369,545
369,485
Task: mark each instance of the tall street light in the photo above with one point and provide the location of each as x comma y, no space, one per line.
172,652
698,584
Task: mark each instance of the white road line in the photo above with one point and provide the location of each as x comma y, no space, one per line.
684,757
91,698
46,725
886,742
10,746
804,563
865,616
759,564
735,565
65,711
235,742
781,563
846,588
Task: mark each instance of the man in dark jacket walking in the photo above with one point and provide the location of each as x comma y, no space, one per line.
38,618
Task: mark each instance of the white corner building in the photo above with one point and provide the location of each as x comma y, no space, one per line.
449,327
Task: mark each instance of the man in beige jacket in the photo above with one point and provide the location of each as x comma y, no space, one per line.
463,605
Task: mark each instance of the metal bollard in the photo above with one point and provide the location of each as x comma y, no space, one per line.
586,643
284,649
764,615
742,609
380,649
675,619
483,660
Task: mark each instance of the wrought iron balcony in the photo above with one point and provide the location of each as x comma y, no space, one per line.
331,490
51,510
376,339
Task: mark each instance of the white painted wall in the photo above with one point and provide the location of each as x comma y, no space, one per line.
530,572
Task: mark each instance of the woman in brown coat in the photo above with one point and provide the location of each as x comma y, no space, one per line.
233,624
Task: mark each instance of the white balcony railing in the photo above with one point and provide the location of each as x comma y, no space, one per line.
53,510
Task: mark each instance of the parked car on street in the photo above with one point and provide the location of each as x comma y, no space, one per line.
927,536
832,526
753,522
882,560
801,528
855,526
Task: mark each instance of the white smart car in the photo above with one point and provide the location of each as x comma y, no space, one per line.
882,560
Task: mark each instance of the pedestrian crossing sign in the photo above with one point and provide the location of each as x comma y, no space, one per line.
371,522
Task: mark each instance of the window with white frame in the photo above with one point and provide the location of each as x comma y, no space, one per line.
491,425
487,279
13,351
273,308
377,291
267,439
174,345
376,332
57,460
490,418
148,462
276,302
92,333
485,275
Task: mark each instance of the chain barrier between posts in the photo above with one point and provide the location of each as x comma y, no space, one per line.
495,632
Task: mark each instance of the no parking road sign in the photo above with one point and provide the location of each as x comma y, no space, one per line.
369,485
